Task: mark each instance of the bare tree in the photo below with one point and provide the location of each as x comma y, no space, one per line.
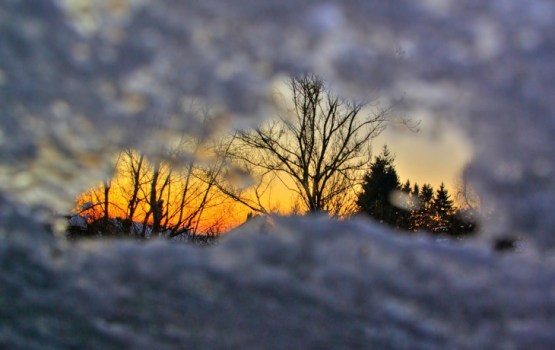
158,185
322,144
99,197
133,170
466,196
195,190
244,185
166,199
107,185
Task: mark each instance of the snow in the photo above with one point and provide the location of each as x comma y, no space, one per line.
78,221
80,83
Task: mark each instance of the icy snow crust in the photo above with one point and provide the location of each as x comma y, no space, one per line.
79,80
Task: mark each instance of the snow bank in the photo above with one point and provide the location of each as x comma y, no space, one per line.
80,80
78,221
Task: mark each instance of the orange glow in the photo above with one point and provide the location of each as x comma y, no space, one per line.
426,157
219,213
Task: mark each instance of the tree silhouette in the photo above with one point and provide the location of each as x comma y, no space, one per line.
411,208
443,210
415,191
154,195
422,216
322,143
405,206
133,171
379,184
406,188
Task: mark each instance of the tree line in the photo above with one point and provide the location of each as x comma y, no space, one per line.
152,196
318,146
410,207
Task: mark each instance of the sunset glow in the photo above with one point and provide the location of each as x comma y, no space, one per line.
420,157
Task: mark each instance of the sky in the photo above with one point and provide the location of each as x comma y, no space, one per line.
437,153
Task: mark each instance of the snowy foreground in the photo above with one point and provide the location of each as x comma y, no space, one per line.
314,284
81,80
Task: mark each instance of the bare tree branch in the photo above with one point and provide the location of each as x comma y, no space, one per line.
322,144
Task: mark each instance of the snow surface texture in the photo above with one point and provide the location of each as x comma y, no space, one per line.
81,79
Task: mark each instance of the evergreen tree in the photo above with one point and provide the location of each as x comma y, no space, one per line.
415,190
427,196
404,220
443,210
406,187
415,208
379,183
422,216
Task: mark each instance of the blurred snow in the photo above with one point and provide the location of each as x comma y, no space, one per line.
78,221
79,80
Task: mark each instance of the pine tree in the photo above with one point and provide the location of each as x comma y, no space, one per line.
427,196
442,210
422,216
415,190
379,183
406,187
404,220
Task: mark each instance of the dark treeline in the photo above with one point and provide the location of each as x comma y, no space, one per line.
411,207
318,147
117,228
